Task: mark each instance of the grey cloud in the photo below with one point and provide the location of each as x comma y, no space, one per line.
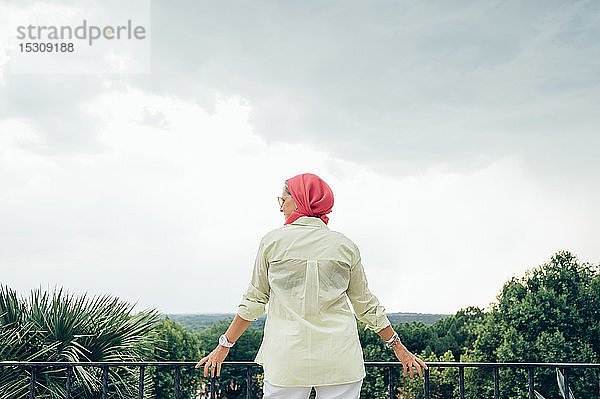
154,118
52,103
399,86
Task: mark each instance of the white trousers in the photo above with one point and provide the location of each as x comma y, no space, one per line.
341,391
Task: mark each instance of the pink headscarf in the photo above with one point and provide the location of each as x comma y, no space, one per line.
312,195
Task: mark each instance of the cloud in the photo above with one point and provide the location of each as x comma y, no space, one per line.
53,102
459,139
399,87
182,200
53,105
175,206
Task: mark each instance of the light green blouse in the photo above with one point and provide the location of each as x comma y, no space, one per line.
306,272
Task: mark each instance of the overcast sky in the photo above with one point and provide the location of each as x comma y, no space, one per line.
460,140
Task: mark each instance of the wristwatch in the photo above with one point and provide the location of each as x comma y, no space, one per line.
223,341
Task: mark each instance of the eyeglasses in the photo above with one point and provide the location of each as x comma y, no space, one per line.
281,200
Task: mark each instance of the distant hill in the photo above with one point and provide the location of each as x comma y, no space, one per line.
425,318
201,321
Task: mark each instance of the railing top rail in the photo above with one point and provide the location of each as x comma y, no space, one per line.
499,364
239,363
116,364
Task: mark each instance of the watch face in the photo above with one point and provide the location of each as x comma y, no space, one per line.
223,341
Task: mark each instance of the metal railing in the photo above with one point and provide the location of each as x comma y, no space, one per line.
33,366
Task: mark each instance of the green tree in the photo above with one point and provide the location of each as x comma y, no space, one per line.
375,382
443,382
232,382
455,333
175,343
60,327
549,315
436,342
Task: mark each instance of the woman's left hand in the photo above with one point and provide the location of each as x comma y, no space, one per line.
214,360
409,360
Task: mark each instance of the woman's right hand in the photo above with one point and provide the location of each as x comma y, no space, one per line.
214,360
409,360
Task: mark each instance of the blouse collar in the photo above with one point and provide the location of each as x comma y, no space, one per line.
309,221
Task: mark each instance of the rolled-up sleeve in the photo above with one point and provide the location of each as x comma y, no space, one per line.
365,304
256,297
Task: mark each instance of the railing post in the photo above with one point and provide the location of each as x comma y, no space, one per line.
177,377
530,373
32,383
141,383
213,388
390,382
249,382
68,387
496,383
566,374
426,384
461,382
104,382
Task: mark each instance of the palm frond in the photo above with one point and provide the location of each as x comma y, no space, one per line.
59,326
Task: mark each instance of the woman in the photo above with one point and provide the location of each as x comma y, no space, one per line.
306,273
